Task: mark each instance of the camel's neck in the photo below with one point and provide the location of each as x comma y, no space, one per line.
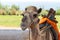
34,30
33,27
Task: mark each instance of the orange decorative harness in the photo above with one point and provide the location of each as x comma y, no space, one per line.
54,25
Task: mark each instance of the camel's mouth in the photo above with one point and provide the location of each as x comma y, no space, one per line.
23,26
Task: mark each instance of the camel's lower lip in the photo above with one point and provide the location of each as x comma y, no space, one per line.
23,28
23,25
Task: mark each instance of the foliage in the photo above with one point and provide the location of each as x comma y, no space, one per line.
7,10
1,6
44,12
15,7
58,11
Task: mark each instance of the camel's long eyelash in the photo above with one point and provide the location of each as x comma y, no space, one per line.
35,15
22,14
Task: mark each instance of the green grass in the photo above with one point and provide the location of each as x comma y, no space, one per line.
15,21
10,21
58,19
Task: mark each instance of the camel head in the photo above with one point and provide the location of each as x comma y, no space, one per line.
30,15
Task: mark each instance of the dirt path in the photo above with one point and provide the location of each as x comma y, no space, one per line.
13,34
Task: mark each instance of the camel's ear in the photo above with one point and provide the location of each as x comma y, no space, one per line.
39,10
54,11
25,9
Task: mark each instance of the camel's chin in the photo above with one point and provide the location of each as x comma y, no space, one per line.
23,28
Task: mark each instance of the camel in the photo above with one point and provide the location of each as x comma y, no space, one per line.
30,20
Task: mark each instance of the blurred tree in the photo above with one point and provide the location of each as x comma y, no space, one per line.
13,9
44,12
10,10
1,9
47,10
1,6
58,11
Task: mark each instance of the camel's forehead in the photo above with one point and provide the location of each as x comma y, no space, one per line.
30,13
31,8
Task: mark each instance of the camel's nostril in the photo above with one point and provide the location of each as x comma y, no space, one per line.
23,25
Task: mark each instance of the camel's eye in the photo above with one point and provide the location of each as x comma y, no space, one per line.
35,15
22,14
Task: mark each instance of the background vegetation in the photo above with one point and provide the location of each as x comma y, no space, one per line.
10,15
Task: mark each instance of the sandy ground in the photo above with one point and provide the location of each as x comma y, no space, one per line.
13,33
